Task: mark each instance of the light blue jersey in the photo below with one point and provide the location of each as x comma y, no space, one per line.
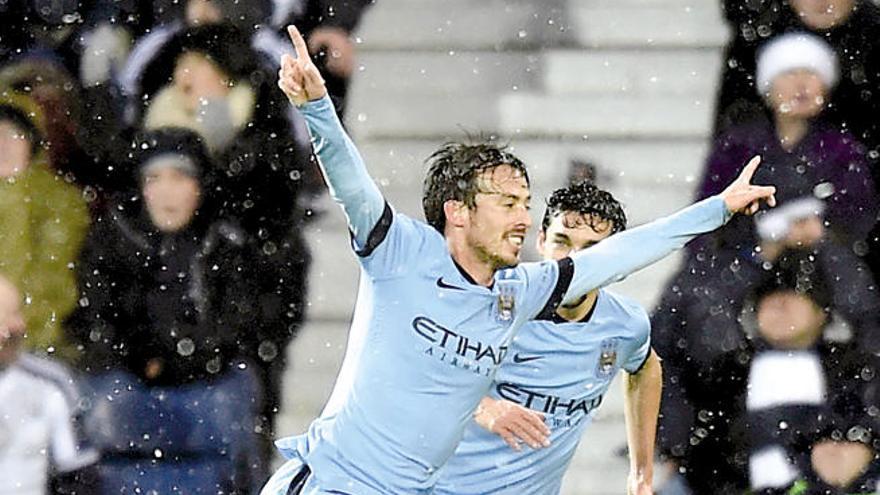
561,369
425,341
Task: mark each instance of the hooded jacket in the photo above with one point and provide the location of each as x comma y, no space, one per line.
180,303
258,173
43,221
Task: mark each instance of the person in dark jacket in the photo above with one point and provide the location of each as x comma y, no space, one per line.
165,289
849,26
797,381
697,332
803,154
167,300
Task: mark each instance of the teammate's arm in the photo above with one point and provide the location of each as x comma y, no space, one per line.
631,250
641,407
513,423
342,165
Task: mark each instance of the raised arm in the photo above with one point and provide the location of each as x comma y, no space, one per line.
350,184
624,253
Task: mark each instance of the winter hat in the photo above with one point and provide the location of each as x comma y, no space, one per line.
796,51
181,149
799,271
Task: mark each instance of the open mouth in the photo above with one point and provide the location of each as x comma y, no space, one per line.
516,239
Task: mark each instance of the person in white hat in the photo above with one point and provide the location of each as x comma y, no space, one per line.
807,156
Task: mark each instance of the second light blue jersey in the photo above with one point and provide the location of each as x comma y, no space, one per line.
561,369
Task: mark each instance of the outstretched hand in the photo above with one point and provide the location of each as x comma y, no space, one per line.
743,197
298,77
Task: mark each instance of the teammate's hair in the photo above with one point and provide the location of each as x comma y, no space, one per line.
453,173
596,205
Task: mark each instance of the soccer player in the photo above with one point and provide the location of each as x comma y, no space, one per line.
557,370
439,302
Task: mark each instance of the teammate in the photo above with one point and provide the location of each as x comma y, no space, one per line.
557,370
439,303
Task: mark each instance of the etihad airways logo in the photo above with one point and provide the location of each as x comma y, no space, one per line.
458,350
546,403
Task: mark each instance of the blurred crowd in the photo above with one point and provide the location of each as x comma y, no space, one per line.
153,187
770,331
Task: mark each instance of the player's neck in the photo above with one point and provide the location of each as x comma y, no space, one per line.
579,310
480,272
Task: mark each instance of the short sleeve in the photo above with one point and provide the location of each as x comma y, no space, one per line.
546,283
641,346
395,244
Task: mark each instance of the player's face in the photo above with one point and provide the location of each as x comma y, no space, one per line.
12,326
798,93
172,198
789,320
496,227
570,232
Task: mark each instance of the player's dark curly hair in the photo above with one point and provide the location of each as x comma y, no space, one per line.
453,171
584,197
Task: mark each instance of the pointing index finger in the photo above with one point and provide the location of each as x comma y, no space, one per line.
299,44
749,170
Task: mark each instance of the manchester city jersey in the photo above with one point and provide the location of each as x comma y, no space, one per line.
561,369
426,356
425,341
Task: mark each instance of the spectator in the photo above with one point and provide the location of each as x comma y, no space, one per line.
842,458
849,26
43,451
327,26
66,141
704,350
217,90
175,17
166,306
795,381
89,37
43,221
803,155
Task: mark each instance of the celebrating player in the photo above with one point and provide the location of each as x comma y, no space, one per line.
439,302
557,370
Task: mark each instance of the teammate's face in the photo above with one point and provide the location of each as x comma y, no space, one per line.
798,93
496,227
172,198
789,320
569,232
12,326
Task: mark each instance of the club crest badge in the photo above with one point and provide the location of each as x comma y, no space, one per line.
505,305
607,358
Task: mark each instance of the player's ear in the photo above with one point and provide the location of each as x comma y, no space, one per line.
540,242
456,212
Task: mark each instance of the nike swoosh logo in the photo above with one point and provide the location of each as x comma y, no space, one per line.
519,359
444,285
